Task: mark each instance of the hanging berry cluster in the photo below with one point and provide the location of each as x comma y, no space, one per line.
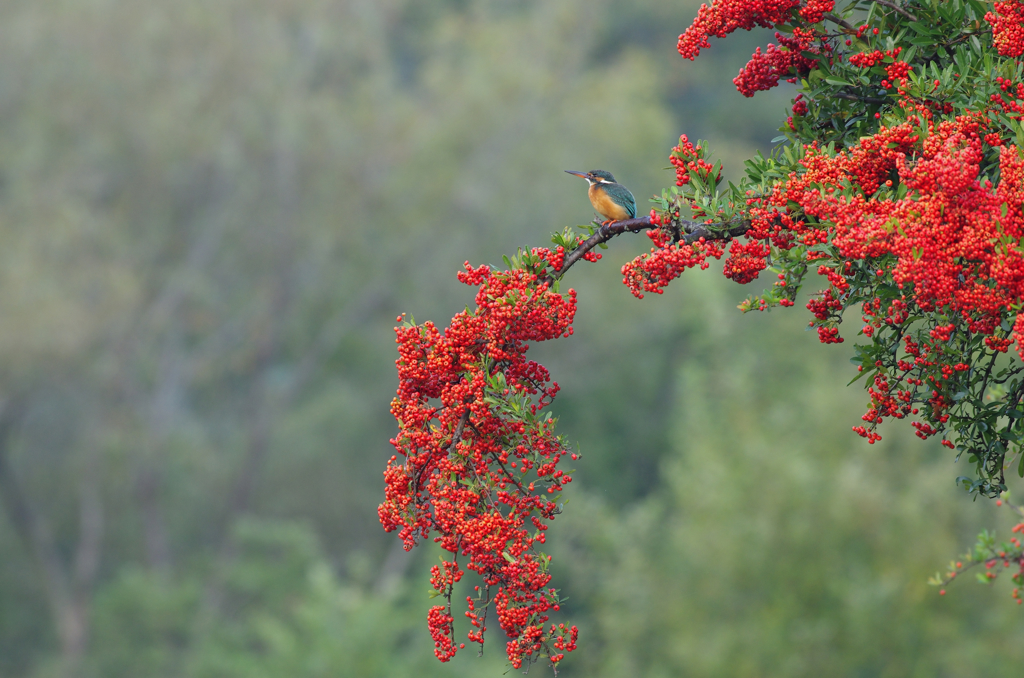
723,17
477,463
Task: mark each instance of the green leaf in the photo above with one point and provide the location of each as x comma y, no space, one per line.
923,40
863,374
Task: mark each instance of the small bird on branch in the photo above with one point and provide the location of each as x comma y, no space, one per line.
612,200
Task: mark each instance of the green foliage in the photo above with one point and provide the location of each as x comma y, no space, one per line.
141,623
288,615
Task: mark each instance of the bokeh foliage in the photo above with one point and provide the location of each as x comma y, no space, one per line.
210,213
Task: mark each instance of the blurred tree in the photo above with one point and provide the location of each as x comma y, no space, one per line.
203,207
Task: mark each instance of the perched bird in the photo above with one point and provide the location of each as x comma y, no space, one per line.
612,200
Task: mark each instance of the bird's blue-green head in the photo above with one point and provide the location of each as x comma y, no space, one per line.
595,176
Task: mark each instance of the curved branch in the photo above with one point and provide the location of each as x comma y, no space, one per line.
602,235
691,232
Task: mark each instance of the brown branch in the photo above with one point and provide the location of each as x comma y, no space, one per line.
691,232
896,8
840,22
856,97
90,539
603,235
31,527
695,230
457,436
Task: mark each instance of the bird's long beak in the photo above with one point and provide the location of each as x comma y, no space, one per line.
582,175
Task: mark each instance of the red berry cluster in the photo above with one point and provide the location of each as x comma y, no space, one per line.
763,70
477,462
787,60
1011,102
799,105
654,270
746,260
725,16
1007,19
687,159
555,258
814,10
869,59
896,71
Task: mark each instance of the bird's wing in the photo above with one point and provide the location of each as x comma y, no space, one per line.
621,195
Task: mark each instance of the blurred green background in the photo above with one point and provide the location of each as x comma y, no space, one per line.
211,212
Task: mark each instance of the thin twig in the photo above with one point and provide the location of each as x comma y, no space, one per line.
509,475
456,437
486,489
896,8
497,459
483,622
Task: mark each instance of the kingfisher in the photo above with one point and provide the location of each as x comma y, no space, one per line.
611,199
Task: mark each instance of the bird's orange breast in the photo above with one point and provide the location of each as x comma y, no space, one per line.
605,205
